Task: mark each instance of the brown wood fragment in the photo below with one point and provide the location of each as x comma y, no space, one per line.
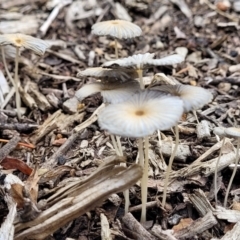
40,99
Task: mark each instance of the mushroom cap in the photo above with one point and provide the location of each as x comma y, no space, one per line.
117,28
193,97
112,92
220,131
233,132
143,61
88,90
107,74
141,115
118,92
21,40
9,52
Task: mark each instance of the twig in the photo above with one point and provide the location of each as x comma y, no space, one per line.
52,161
139,207
21,127
5,150
53,15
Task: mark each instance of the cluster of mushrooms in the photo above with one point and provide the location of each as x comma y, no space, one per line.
11,45
133,111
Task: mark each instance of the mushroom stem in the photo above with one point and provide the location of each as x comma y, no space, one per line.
169,168
115,144
126,192
140,76
216,171
195,115
140,150
116,48
160,145
144,182
6,69
119,145
233,174
18,99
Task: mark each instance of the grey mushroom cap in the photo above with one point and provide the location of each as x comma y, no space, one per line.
120,29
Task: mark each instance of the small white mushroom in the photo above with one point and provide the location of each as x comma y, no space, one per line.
119,29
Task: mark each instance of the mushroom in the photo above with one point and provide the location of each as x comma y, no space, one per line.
140,62
219,132
112,92
193,98
232,132
119,29
138,117
19,40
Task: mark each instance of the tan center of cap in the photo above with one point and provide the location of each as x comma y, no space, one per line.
139,113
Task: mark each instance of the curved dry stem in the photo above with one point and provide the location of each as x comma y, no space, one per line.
169,168
216,171
16,80
233,175
144,182
116,48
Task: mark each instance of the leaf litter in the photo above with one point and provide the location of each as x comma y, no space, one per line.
71,181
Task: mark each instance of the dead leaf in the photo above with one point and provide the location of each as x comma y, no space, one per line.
185,222
14,163
59,142
16,193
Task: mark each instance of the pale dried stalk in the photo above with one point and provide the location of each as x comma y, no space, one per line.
216,172
169,168
144,182
233,174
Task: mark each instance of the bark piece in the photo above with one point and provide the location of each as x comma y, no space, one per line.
198,226
133,225
100,187
182,153
203,130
